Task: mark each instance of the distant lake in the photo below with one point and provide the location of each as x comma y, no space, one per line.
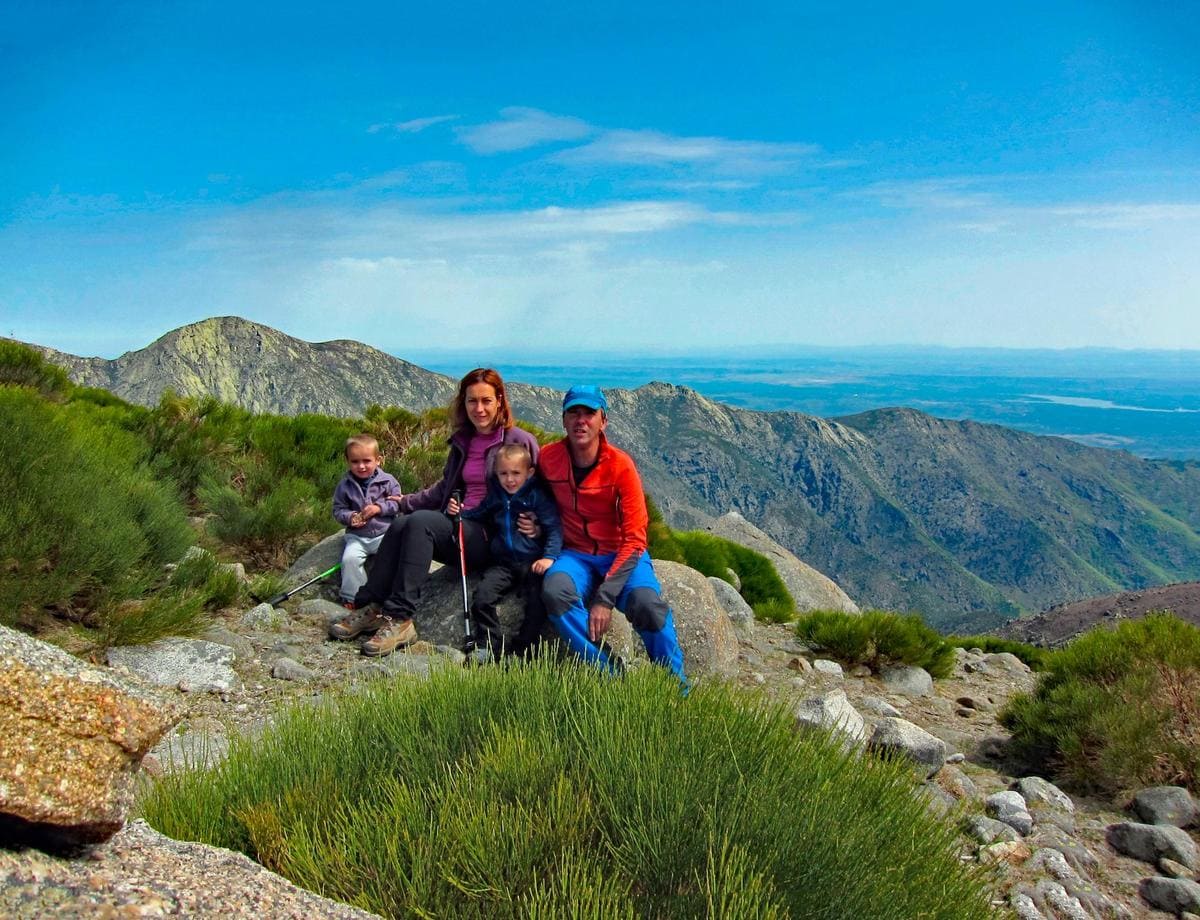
1146,402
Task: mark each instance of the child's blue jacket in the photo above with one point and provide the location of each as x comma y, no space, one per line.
499,512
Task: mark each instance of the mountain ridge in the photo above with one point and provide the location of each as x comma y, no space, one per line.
969,523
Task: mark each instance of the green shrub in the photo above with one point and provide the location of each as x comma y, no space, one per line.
169,613
757,581
1116,709
1030,654
217,585
552,791
877,638
265,515
82,520
22,366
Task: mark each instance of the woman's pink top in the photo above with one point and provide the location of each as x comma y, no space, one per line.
474,472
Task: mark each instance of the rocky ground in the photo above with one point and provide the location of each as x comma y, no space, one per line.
1060,624
1062,866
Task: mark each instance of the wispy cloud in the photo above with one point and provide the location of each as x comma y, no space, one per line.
520,128
412,126
955,194
1122,216
654,148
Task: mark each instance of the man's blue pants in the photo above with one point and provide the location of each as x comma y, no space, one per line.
571,581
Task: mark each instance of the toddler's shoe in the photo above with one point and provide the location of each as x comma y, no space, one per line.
357,622
392,634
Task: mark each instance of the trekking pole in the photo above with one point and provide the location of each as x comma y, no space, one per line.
468,629
280,598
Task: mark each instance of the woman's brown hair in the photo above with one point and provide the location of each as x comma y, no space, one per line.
458,408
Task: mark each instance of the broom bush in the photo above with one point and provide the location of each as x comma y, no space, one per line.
1116,709
548,790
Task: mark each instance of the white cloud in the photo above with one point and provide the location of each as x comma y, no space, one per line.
413,126
924,194
1122,216
520,128
654,148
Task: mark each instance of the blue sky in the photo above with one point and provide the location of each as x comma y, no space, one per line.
629,176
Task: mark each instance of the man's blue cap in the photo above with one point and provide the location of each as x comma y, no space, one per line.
585,394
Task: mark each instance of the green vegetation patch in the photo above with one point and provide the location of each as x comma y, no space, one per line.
554,791
753,574
877,638
83,520
1116,709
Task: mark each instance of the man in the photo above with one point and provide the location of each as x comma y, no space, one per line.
604,563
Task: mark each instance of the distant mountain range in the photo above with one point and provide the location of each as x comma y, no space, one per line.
969,524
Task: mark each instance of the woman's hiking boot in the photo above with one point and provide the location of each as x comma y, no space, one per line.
357,622
392,634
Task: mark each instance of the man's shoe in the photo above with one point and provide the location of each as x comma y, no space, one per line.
394,634
353,624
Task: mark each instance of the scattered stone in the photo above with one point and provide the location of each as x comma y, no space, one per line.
800,664
323,611
1174,895
71,739
924,751
879,707
1172,869
860,671
740,613
322,557
263,617
1009,807
287,649
187,664
1036,791
238,570
243,648
832,711
289,669
907,680
989,830
1063,903
828,668
1151,842
1045,815
1025,908
1005,661
1166,805
1011,851
958,757
956,782
141,873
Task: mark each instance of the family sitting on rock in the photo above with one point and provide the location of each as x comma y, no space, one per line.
567,527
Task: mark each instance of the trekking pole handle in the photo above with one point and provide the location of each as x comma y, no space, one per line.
456,496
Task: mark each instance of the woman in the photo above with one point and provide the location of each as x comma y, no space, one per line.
424,531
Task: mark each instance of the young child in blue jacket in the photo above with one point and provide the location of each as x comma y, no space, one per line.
364,502
518,561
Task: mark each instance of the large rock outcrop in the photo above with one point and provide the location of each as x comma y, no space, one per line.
809,588
71,739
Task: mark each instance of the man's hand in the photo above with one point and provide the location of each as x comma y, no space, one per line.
599,618
539,567
527,525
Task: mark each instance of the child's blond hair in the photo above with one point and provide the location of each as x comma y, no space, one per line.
362,440
513,451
